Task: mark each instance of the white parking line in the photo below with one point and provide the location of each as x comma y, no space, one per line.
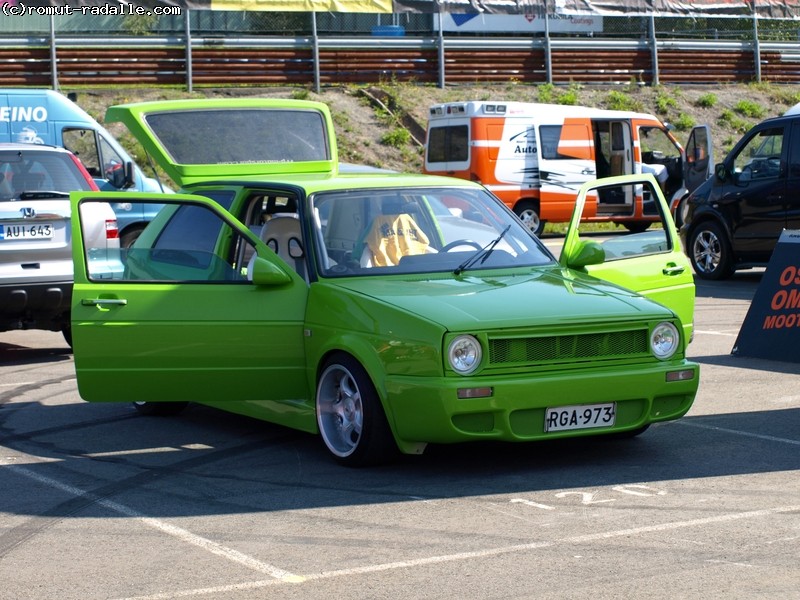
176,532
280,576
760,436
754,514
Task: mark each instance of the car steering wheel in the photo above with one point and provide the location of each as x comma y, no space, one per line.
457,243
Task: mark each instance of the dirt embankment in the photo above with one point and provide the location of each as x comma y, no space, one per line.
384,126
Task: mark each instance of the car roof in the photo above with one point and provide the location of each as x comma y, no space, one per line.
26,146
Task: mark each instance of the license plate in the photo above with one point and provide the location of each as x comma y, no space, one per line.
580,416
38,231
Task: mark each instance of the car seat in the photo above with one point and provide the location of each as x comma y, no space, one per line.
390,237
283,234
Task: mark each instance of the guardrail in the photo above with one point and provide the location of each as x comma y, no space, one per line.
317,61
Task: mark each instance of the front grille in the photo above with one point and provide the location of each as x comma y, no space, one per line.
571,348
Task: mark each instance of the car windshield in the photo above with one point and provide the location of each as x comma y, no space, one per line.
422,230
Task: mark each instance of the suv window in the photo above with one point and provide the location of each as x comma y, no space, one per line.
760,157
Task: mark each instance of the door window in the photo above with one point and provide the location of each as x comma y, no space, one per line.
193,245
760,157
83,144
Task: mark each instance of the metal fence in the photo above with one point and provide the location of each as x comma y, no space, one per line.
254,48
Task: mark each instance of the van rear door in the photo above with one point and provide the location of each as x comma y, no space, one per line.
447,148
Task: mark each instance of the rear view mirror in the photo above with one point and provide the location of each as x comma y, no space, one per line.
120,175
587,252
721,172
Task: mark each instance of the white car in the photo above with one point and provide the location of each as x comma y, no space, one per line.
36,271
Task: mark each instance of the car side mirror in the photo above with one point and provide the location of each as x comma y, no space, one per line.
121,176
264,272
721,172
587,252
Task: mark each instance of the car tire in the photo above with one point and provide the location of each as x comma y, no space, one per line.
678,216
630,434
350,416
66,331
128,238
636,226
160,409
528,213
710,251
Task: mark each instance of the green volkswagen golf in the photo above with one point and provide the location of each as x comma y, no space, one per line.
383,311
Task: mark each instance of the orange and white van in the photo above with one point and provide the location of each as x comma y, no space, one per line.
535,157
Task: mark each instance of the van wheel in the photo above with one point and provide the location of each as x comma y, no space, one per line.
636,226
710,252
528,212
127,239
350,415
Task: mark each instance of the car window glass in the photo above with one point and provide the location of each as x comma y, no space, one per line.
760,157
656,145
32,171
194,245
241,136
222,197
83,144
113,167
638,238
370,232
448,144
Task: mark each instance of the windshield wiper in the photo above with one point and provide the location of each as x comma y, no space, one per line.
42,195
482,254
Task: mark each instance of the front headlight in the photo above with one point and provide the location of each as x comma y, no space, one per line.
464,354
665,340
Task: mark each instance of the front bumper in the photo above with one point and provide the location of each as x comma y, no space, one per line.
428,410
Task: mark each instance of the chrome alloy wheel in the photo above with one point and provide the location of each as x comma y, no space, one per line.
340,411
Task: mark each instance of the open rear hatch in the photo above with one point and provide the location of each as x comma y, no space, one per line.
203,140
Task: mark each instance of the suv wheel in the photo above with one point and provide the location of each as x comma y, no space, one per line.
710,252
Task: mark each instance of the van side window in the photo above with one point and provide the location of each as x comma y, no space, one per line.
760,157
83,144
549,136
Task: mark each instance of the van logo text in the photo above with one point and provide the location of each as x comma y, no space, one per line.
23,113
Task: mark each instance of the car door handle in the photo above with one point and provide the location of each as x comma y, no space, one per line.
673,270
104,302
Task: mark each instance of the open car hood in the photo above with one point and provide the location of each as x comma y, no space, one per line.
200,140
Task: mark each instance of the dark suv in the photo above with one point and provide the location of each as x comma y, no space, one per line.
734,219
36,270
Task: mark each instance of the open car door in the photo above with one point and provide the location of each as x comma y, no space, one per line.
699,163
651,262
198,309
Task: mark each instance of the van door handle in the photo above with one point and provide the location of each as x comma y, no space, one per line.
104,302
673,270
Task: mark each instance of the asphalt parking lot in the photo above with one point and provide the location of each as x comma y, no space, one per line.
98,502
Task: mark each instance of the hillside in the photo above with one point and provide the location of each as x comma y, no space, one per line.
383,126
